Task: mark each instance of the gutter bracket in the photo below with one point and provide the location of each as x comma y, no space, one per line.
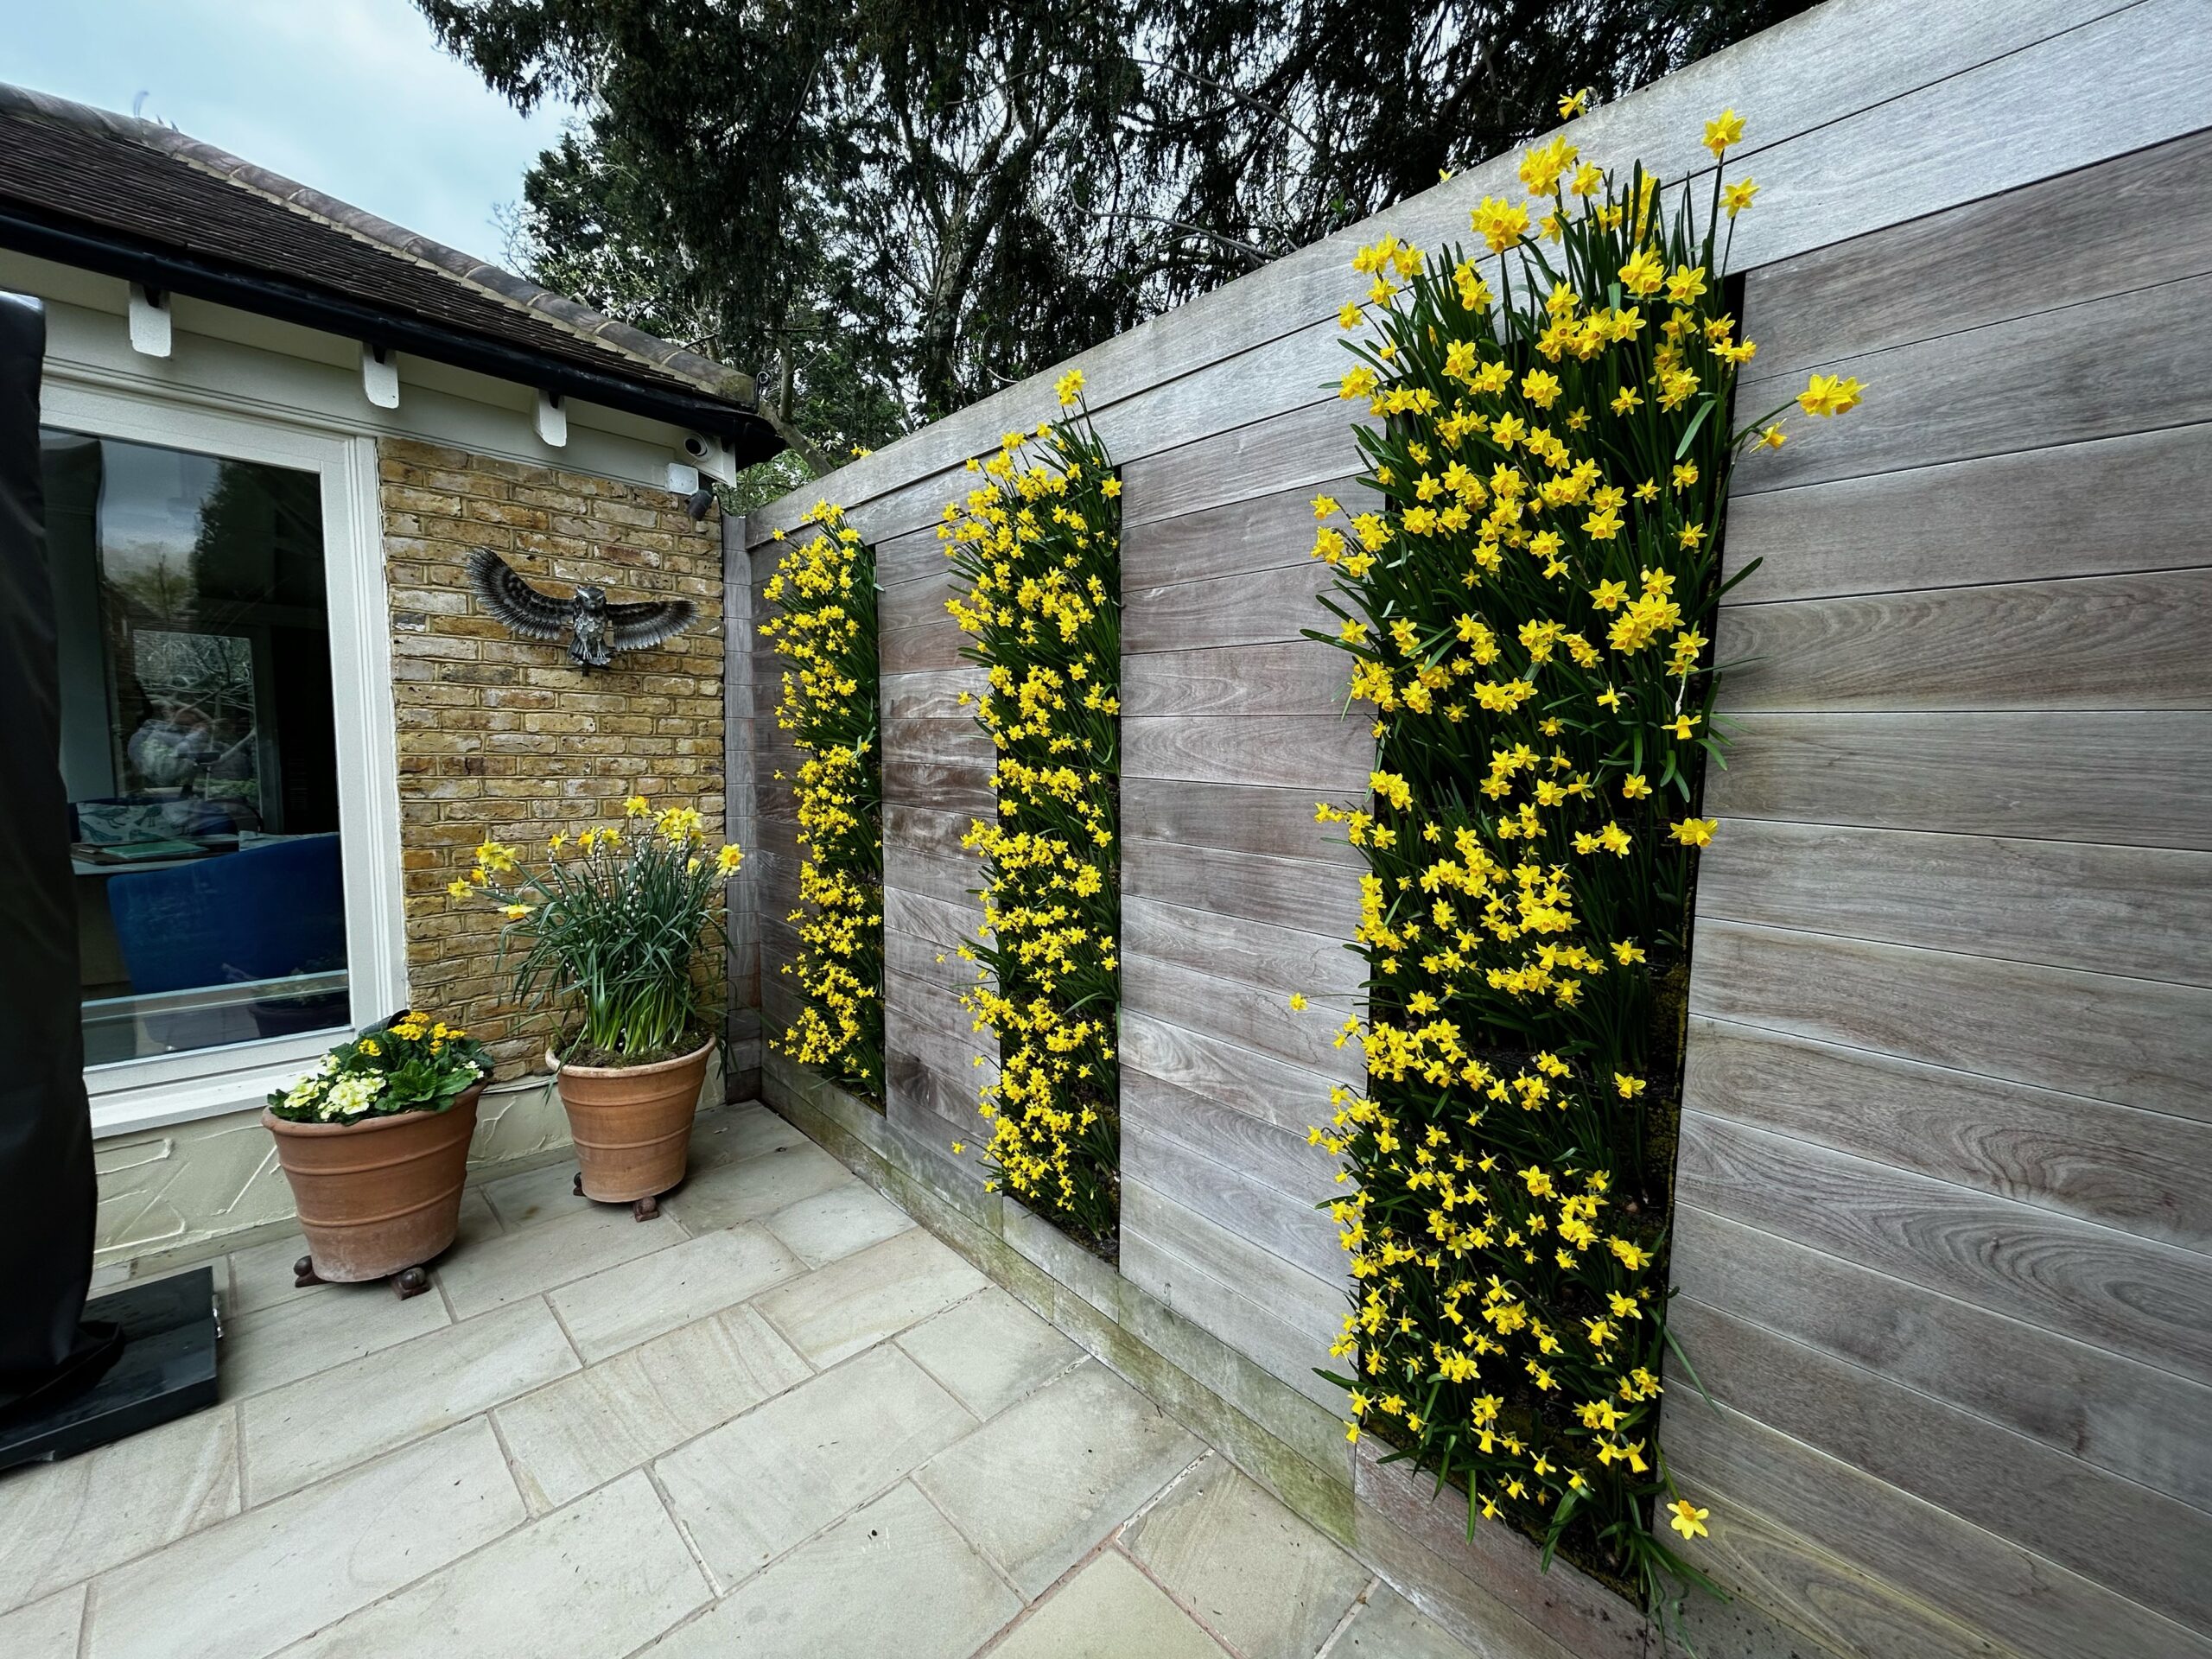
380,376
149,321
552,419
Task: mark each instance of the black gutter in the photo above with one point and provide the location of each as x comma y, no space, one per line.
168,270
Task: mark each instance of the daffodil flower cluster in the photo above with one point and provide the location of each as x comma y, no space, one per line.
610,926
1528,597
1037,544
824,629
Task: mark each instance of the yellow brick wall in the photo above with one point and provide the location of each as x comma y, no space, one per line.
502,737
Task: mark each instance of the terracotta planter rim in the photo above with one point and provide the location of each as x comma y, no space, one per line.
381,1121
560,1065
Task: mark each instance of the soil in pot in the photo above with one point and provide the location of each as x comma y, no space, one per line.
632,1124
378,1196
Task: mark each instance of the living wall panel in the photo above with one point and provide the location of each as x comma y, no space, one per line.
1942,1178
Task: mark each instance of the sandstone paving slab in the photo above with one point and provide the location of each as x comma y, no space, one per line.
247,1587
44,1630
307,1429
61,1522
546,1193
1043,1482
596,1578
1268,1583
1390,1627
743,1131
1108,1610
836,1222
620,1413
266,1347
755,1188
856,1302
513,1267
621,1307
990,1350
756,1486
893,1581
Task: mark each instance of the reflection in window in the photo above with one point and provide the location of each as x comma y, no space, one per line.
197,745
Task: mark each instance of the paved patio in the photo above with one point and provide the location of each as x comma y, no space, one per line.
780,1419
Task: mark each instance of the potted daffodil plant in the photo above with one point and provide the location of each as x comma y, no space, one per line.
606,934
375,1143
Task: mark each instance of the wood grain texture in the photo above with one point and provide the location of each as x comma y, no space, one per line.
1263,607
2005,255
2128,778
943,924
2142,1300
952,879
1299,677
2111,505
1275,1091
938,783
2033,1604
1255,1326
1232,817
1284,1226
1257,1017
1304,449
932,694
1278,960
2046,1500
2139,1422
2131,1041
1287,892
1322,753
2125,642
931,834
1234,539
2144,1173
2142,912
1313,1306
1277,1157
2125,363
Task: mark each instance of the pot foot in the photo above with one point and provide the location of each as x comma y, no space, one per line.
409,1282
644,1209
304,1273
578,1189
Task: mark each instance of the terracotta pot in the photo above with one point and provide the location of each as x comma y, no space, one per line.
380,1195
632,1124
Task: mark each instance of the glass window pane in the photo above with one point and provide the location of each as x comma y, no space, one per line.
197,745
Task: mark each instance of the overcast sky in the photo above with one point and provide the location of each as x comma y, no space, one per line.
352,97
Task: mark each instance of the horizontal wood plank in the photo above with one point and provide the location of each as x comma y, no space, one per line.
2139,1422
2005,256
2124,364
2128,778
1279,960
2138,910
1252,1016
1311,753
1234,539
2142,1300
1232,817
2126,642
2037,1606
2134,1042
1283,1159
1263,607
2144,1173
1287,892
1290,1097
2016,517
2035,1495
1273,1220
1299,676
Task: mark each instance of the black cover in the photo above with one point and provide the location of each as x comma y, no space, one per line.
47,1192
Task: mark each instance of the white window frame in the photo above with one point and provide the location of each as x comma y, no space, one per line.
167,1089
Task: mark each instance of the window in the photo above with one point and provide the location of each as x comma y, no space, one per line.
199,747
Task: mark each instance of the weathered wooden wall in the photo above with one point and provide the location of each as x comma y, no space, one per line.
1945,1207
1944,1246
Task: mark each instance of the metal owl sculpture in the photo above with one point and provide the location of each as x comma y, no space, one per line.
595,629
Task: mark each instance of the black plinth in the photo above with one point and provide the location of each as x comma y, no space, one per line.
166,1369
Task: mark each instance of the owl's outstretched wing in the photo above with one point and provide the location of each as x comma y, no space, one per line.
514,602
639,626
